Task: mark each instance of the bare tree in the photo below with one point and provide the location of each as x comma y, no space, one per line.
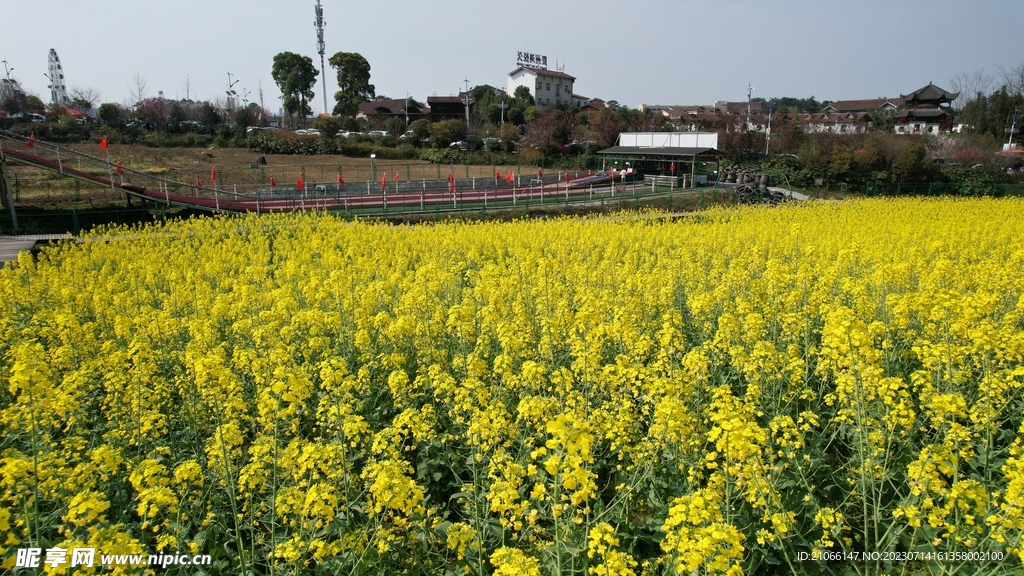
970,85
138,88
1013,78
84,97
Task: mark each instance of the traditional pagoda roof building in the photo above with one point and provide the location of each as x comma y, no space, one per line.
925,111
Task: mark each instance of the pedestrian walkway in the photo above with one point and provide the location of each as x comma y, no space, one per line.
10,246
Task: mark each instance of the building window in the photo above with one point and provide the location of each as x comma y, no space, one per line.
538,84
548,87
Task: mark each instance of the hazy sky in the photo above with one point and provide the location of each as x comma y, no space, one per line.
646,51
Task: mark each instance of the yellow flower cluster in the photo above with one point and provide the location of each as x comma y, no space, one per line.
717,394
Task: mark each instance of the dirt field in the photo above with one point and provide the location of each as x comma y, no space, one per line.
235,167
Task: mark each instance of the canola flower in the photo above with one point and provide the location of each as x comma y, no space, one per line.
723,394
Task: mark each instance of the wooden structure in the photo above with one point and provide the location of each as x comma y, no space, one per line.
925,111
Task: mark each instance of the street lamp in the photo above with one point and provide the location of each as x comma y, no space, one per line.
230,92
373,171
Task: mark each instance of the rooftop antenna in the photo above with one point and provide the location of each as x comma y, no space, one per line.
58,89
8,70
320,48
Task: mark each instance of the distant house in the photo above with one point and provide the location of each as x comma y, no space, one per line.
925,111
696,120
738,107
592,108
10,89
833,122
392,107
450,107
580,101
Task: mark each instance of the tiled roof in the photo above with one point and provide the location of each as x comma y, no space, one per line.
392,106
868,104
540,72
930,92
923,113
460,99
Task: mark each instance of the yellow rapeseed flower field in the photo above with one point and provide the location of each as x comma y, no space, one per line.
818,388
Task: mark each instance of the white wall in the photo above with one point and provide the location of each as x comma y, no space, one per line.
669,139
522,78
552,90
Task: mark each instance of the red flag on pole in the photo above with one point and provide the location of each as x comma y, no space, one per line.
450,177
567,178
120,170
199,183
340,179
31,141
103,143
272,181
300,184
451,185
540,173
396,176
384,182
213,175
510,177
672,167
497,175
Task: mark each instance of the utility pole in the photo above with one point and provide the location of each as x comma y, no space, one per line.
768,132
467,106
1013,128
320,23
750,89
502,105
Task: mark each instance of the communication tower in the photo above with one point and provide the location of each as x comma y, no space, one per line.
320,23
58,88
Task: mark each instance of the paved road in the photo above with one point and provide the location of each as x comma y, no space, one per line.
794,195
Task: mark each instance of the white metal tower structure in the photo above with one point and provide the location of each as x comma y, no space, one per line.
58,88
320,23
